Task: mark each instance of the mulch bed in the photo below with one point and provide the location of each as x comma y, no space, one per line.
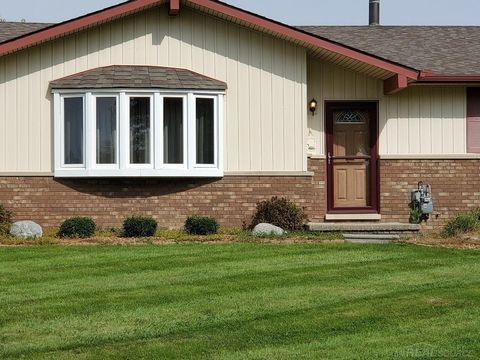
469,241
158,241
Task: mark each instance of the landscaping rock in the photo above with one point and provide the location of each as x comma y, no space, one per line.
26,229
267,229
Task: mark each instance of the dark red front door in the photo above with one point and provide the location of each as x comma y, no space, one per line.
352,157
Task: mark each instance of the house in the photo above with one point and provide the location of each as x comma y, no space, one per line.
172,108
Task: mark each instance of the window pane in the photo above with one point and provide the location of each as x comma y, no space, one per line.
139,130
205,131
73,130
106,130
173,130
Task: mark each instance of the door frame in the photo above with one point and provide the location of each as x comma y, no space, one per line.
372,108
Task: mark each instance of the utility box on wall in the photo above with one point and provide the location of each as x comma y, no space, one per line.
422,198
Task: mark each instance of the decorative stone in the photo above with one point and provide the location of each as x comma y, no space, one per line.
267,229
26,229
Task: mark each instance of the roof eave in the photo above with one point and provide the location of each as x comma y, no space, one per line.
74,25
448,79
299,35
265,24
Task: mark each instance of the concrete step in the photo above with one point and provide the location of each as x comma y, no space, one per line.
362,238
371,236
364,227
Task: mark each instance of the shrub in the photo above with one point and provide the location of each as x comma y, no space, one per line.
476,213
6,217
416,216
279,212
201,225
462,223
139,226
81,227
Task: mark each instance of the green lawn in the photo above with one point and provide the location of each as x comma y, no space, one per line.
239,301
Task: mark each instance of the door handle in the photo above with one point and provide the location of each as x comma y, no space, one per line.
329,158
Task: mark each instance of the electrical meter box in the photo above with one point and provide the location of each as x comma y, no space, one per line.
422,198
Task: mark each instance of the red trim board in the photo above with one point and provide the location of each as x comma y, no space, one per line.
403,73
174,7
293,33
74,25
394,84
449,78
216,6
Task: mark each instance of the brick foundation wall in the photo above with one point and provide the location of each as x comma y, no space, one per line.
230,200
455,188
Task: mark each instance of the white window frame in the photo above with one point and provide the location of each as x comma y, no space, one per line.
215,131
123,168
92,136
185,111
150,165
62,131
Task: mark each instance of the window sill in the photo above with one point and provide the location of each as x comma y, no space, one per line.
116,173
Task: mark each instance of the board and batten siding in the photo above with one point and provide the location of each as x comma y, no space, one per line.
418,121
265,103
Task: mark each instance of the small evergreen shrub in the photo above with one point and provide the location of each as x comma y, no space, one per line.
6,217
139,226
462,223
81,227
201,225
280,212
416,216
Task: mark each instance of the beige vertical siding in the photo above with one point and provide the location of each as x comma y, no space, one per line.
419,121
265,103
330,82
424,120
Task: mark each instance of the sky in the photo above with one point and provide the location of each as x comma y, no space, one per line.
305,12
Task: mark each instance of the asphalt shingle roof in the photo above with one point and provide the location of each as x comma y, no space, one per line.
11,30
133,76
445,50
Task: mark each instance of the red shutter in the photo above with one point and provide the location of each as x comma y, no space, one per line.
473,120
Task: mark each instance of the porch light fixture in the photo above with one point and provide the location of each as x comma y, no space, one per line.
313,106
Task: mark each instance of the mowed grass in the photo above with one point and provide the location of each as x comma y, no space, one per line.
239,301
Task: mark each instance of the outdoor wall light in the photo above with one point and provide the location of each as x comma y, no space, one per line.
313,106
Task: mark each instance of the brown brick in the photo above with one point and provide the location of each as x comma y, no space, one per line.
455,187
232,200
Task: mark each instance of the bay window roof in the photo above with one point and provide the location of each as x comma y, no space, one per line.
138,76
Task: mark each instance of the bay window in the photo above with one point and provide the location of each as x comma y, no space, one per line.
145,133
